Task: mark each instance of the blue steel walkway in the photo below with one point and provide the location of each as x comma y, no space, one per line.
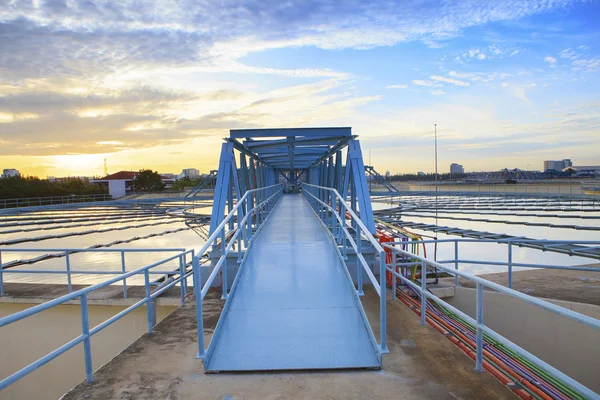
293,305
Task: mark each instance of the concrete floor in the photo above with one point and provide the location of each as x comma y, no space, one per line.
577,286
422,364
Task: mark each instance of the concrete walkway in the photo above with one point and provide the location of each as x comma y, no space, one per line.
422,364
294,305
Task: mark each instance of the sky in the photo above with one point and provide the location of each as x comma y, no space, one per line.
159,84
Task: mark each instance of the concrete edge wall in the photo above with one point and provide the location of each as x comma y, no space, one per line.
567,345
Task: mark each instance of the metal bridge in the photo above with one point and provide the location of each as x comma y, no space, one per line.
293,304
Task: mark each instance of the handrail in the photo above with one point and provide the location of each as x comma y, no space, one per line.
380,286
87,333
244,228
362,226
589,321
66,252
478,321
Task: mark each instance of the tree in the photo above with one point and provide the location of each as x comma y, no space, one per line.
148,181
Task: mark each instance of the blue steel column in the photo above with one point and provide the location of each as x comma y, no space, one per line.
221,189
361,188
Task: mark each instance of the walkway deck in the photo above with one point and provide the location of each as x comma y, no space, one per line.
293,306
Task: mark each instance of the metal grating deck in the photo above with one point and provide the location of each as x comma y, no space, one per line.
293,306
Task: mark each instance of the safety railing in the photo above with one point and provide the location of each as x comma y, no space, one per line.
478,321
68,272
86,331
239,226
579,248
53,200
332,209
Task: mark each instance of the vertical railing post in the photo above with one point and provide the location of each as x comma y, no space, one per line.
359,277
510,267
224,265
181,284
1,276
423,292
456,261
123,270
249,222
382,305
68,265
479,339
85,331
198,294
148,300
395,271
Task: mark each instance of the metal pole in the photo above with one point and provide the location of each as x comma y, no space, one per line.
1,276
68,262
395,278
456,262
181,285
479,344
510,267
148,305
224,265
85,330
123,270
359,277
198,294
423,291
382,305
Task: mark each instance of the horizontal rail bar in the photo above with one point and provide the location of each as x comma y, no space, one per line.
71,296
540,363
592,322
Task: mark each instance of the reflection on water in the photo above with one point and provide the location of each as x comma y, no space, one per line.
187,239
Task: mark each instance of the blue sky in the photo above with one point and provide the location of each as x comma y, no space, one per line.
157,84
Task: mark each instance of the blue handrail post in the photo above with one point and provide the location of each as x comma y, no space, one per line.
359,277
423,292
182,280
198,294
68,265
123,270
85,331
479,339
1,277
382,305
148,300
224,265
395,278
510,267
456,261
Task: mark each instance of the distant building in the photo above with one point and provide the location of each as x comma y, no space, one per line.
557,165
387,174
456,169
121,183
10,172
191,173
421,173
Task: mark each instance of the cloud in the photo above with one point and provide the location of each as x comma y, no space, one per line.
92,37
399,86
591,65
438,92
451,81
420,82
550,60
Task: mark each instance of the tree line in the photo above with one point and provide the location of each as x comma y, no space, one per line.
21,187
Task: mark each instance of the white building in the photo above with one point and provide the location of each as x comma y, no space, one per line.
122,183
557,165
10,172
456,169
191,173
